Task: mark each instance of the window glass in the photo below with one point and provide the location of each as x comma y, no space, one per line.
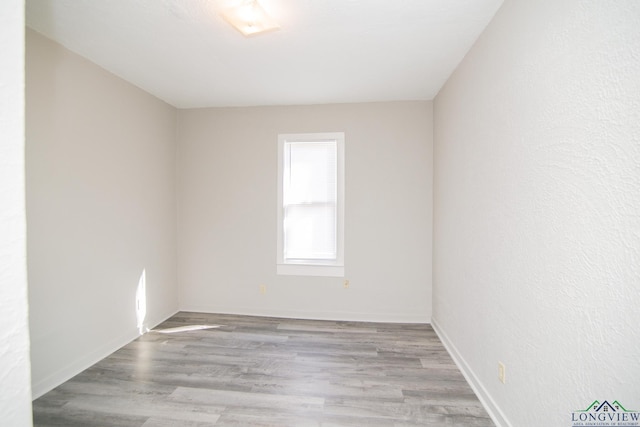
310,203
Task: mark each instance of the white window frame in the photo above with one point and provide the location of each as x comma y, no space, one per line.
331,268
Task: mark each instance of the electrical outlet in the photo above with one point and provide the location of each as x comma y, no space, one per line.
502,373
263,289
346,284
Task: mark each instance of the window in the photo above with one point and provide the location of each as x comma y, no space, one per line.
311,204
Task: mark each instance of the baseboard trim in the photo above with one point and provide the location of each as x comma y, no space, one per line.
76,366
485,398
312,315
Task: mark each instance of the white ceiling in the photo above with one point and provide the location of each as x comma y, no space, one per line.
327,51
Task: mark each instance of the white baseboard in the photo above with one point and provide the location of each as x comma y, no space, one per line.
489,404
78,365
312,315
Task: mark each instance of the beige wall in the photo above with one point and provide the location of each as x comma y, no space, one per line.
227,166
15,389
537,210
100,160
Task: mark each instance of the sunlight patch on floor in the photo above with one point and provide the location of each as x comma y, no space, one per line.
187,328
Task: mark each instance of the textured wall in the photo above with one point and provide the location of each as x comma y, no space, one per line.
537,209
15,388
227,175
100,211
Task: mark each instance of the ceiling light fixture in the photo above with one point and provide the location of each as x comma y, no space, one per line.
250,18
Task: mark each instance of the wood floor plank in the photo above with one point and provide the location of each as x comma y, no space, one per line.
256,371
140,406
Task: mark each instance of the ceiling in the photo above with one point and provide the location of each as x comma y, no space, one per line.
327,51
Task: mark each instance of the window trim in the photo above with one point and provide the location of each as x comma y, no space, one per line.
312,267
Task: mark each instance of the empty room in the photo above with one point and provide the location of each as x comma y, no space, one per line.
320,213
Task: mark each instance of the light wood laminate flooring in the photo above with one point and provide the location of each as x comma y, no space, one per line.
257,371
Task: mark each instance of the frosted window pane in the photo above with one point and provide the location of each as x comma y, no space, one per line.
311,173
310,232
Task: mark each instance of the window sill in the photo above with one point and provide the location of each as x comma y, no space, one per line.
310,270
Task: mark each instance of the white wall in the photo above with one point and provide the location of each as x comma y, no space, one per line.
100,210
15,389
227,173
537,209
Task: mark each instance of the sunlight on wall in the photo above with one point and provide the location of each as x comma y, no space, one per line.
141,303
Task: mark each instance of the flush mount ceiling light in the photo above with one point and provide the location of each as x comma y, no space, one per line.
249,18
